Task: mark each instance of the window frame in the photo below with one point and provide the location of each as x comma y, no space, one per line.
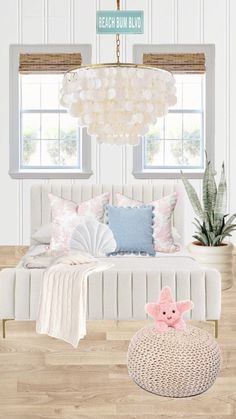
15,170
209,132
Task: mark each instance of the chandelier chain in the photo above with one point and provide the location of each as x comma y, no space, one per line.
118,49
118,38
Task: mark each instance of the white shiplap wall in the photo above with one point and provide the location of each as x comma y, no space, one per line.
69,21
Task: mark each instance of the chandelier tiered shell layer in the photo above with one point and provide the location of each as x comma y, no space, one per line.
117,103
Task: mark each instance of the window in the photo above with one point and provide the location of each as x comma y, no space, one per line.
178,141
46,141
49,137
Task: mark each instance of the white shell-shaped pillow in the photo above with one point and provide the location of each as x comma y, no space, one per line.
93,237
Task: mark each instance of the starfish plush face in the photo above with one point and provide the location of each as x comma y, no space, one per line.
167,313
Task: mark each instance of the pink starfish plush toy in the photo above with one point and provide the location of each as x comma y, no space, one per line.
167,313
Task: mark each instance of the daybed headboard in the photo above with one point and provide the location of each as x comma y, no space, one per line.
41,212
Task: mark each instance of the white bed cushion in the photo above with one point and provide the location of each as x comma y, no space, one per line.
44,234
180,261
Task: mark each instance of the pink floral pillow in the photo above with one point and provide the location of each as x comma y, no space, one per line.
163,211
66,215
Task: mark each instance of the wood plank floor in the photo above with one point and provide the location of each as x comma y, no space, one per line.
43,378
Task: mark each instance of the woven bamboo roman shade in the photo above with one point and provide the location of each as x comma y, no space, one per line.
49,63
177,63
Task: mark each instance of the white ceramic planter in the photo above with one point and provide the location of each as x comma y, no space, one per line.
218,257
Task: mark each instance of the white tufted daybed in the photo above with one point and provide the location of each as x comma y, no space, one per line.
121,292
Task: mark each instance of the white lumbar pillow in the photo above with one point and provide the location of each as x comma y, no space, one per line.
92,237
176,235
43,234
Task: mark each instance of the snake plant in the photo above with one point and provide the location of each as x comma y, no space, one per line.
212,223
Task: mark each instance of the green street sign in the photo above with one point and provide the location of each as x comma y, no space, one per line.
122,22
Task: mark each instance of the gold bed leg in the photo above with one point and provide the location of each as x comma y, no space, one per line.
216,327
4,327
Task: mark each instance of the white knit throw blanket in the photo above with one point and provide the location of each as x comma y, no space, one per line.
62,307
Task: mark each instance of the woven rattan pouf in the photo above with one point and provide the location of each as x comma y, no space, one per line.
174,363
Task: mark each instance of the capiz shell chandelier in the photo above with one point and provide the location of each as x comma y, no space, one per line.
117,102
